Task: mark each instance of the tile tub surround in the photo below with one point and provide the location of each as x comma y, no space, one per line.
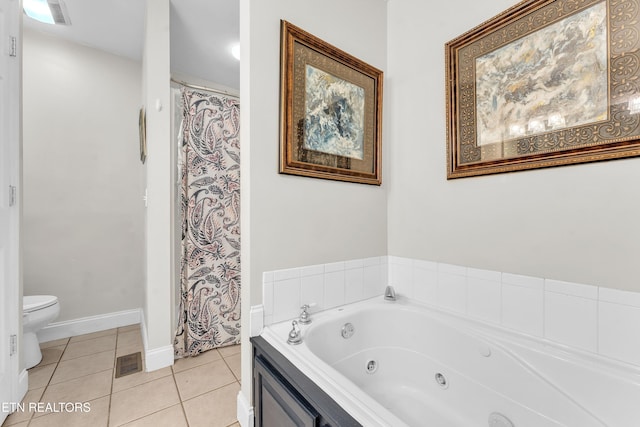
598,320
589,318
322,286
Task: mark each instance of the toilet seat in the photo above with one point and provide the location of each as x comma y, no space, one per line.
37,302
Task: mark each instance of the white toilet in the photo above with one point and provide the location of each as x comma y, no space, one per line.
37,312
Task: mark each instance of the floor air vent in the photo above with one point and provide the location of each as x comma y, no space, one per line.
128,364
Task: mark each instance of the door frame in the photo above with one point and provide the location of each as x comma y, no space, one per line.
12,305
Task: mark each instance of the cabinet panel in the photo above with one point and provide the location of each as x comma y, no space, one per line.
285,397
278,405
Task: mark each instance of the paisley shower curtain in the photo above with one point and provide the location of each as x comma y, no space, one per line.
209,168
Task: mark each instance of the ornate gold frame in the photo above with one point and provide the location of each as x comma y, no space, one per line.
615,136
298,50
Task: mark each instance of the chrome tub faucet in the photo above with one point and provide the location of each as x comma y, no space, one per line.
389,293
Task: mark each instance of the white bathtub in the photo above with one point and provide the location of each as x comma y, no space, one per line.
489,373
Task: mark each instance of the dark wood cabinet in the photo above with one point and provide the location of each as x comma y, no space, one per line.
284,397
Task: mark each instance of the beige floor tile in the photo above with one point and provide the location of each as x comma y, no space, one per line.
55,343
138,378
204,378
93,335
83,389
129,339
90,346
170,417
51,355
86,365
142,400
24,413
234,364
214,409
40,376
230,350
96,416
134,327
123,351
185,363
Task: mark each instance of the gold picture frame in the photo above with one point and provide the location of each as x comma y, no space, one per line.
545,83
331,111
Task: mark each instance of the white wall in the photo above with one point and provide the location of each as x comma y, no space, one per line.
572,223
83,216
158,323
291,221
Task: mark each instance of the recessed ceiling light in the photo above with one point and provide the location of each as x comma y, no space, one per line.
235,51
47,11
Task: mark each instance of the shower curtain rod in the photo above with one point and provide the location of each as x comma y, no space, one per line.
208,89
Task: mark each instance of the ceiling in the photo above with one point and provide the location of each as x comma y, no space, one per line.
202,33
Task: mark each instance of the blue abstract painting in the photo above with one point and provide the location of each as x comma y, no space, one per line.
334,115
552,79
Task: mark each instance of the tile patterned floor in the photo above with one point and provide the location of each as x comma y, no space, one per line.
197,391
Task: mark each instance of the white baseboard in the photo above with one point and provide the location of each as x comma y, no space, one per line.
154,358
87,325
244,411
158,358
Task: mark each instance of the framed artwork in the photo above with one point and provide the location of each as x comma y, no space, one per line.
142,128
331,111
545,83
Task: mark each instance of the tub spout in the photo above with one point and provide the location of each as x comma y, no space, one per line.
390,293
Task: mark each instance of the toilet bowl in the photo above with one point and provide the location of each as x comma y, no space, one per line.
37,312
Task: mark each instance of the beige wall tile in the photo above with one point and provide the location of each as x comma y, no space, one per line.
214,409
81,366
142,400
202,379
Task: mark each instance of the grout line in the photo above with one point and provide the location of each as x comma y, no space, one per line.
229,367
173,373
31,417
184,412
113,374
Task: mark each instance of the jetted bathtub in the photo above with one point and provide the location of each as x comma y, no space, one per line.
401,363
